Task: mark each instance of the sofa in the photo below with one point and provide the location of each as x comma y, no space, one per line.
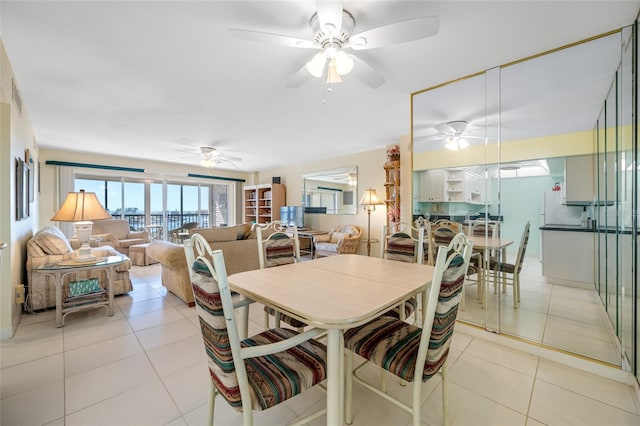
341,239
50,245
238,244
117,234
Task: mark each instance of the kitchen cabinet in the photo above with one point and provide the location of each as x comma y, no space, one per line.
568,257
579,179
432,185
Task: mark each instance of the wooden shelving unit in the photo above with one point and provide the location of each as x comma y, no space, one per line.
262,202
392,192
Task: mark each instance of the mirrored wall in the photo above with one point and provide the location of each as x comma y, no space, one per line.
546,143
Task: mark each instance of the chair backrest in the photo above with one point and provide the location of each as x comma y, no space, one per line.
405,244
442,307
442,236
522,249
217,319
481,227
281,247
444,223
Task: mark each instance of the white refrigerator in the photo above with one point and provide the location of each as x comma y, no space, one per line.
555,213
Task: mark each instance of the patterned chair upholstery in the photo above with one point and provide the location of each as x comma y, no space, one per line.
406,244
280,247
340,240
510,272
411,352
247,382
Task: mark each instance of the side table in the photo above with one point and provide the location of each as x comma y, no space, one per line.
94,300
307,234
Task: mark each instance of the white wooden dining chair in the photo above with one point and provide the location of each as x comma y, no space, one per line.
412,353
256,373
405,244
278,245
509,273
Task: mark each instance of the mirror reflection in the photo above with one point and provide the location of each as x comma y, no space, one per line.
331,191
512,145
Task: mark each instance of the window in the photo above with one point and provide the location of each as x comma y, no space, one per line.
142,202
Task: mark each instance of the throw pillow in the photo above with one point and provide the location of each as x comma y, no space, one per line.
52,241
337,236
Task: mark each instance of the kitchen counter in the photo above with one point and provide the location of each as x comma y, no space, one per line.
578,228
569,228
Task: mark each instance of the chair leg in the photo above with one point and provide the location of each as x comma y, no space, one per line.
348,366
212,403
445,394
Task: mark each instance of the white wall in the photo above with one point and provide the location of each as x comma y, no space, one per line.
16,135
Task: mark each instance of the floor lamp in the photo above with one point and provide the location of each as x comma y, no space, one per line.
369,200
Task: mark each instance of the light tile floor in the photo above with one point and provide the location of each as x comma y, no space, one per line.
146,366
559,316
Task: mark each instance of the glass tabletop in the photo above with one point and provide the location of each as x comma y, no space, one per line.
70,263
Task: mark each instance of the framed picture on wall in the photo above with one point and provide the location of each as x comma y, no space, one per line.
23,177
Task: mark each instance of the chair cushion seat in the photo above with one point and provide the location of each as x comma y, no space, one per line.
280,376
393,345
293,322
502,267
409,308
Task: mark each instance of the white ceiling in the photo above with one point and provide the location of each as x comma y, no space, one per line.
151,79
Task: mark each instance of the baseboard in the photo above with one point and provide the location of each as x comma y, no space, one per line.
589,365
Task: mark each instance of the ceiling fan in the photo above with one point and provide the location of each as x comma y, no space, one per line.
332,32
210,157
453,133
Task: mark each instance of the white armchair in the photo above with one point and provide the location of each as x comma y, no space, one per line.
341,239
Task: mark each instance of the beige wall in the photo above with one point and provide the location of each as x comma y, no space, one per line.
49,201
370,174
578,143
16,135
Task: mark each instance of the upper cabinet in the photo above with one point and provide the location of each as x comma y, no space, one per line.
579,179
432,185
453,186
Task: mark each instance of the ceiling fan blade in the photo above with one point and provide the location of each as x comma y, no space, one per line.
444,128
365,73
329,12
300,77
271,38
400,32
227,158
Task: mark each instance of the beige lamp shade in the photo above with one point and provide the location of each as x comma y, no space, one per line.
81,206
370,198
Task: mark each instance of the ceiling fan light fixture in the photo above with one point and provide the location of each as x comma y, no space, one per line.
316,65
332,75
344,63
208,162
456,143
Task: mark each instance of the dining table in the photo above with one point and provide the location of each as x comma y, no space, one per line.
487,245
335,293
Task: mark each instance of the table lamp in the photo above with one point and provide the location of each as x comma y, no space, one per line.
82,207
369,200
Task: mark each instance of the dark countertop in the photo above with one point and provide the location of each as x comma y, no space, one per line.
569,228
578,228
